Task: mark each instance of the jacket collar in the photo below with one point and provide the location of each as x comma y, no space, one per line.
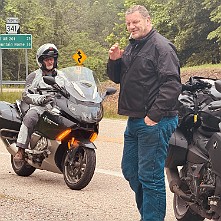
143,40
52,73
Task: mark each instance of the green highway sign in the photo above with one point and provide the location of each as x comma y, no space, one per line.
15,41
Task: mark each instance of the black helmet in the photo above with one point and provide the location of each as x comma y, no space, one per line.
46,51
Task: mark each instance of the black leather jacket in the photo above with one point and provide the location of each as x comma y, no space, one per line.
149,77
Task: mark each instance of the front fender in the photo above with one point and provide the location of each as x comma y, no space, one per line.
88,145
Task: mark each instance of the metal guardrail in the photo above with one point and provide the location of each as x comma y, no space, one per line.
13,82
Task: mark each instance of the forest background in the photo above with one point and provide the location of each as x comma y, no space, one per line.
93,25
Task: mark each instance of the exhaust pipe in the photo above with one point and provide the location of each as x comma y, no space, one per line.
174,184
8,137
173,178
12,149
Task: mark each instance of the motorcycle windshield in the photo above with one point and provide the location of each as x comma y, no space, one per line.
82,84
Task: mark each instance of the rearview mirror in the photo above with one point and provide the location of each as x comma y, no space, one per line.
49,80
109,91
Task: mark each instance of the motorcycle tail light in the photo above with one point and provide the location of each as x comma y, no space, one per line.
63,134
93,137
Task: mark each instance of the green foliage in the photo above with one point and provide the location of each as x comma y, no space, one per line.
93,25
215,16
193,26
70,26
96,54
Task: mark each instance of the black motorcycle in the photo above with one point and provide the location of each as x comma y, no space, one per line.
64,135
192,166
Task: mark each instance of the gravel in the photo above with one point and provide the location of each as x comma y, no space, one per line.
21,210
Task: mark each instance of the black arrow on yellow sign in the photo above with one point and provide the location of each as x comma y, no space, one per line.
79,57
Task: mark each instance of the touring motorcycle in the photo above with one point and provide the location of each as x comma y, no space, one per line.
64,135
193,165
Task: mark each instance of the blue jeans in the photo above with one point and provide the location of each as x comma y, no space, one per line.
145,151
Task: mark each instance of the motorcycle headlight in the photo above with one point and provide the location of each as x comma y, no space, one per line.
89,113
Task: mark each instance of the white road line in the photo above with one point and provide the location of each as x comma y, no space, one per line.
97,170
109,172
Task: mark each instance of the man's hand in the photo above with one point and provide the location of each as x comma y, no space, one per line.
115,52
44,99
149,122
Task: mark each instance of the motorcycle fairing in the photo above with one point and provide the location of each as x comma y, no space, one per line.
214,149
50,125
85,98
177,150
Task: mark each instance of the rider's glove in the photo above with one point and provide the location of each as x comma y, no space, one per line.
44,99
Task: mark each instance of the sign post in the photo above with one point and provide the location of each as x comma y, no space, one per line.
1,68
14,40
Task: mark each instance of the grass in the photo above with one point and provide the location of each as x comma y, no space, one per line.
204,66
10,97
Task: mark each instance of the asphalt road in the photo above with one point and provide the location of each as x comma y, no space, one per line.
45,196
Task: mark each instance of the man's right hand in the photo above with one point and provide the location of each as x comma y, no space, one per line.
115,52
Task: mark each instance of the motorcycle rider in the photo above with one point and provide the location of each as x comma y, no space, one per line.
46,57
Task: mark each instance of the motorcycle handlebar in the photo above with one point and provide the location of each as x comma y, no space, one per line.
61,90
49,89
195,85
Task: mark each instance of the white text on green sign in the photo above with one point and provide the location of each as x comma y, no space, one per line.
15,41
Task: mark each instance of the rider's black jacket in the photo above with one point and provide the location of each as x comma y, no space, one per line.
149,77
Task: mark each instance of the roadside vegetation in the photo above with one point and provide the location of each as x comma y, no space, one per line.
94,25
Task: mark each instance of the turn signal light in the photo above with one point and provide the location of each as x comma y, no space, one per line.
63,134
93,137
73,143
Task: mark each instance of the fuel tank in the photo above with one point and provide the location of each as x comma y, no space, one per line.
211,116
9,116
50,125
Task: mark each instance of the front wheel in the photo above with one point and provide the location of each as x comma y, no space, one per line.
22,168
78,167
183,212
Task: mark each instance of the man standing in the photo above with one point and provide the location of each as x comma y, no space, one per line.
148,71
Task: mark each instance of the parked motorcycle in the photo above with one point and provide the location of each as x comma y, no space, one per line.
64,135
193,165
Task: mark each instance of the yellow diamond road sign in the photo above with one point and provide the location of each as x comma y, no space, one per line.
79,57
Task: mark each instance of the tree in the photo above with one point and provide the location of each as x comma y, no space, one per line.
193,26
96,54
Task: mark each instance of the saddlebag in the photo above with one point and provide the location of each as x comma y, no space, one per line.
214,148
177,151
9,117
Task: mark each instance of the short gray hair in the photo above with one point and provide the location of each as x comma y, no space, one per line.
141,9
